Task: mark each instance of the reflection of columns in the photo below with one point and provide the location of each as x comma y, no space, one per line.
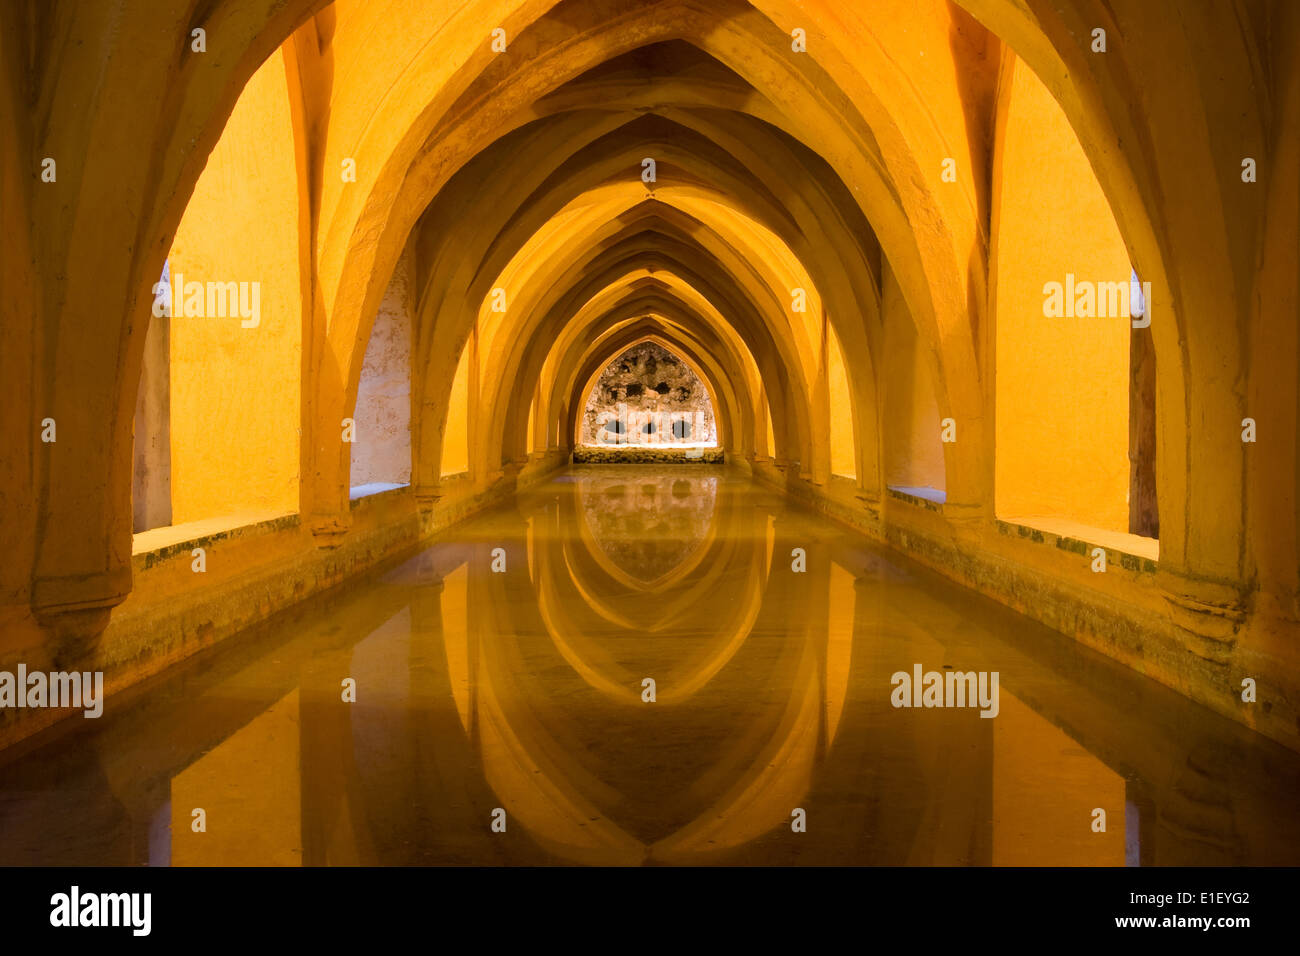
450,779
558,792
845,831
450,799
329,836
1139,825
1194,822
1045,789
934,759
51,809
956,827
250,790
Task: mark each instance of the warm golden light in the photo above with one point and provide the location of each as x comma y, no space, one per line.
650,433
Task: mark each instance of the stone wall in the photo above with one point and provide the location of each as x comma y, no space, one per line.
382,450
151,487
648,396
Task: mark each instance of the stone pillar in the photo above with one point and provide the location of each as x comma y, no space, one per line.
151,484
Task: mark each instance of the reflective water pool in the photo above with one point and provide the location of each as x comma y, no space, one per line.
629,665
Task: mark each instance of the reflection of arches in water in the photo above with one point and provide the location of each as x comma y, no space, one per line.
647,531
590,615
1192,776
663,605
555,787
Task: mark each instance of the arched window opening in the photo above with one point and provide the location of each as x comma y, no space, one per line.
844,448
913,448
381,447
219,409
455,438
1075,365
648,397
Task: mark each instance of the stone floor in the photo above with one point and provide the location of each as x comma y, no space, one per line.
503,679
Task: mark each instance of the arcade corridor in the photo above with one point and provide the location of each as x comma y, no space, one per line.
669,431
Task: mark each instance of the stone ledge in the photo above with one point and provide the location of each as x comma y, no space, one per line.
149,548
1134,552
920,502
634,455
359,494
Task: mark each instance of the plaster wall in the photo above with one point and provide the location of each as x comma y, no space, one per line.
842,434
455,444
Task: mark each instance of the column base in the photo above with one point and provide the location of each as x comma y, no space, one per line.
328,531
76,608
1209,613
